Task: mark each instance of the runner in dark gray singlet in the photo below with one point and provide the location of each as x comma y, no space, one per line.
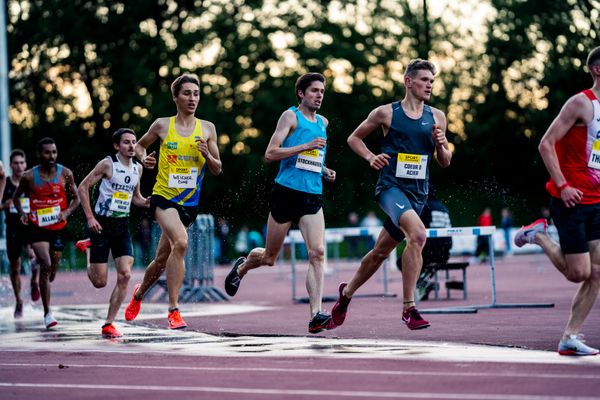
414,133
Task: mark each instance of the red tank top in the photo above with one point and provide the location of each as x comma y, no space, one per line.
579,157
47,199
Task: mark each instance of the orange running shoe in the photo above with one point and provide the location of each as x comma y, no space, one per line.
110,332
133,308
82,245
175,320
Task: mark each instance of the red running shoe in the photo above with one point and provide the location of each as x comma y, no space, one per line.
340,308
175,320
82,245
413,319
110,332
35,291
133,308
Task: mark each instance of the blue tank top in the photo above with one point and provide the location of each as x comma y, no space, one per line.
409,143
303,171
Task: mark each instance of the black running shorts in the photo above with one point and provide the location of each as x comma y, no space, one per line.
114,237
289,205
187,215
576,226
37,234
16,240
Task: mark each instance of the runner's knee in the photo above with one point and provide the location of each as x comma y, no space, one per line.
578,274
317,254
123,277
180,245
44,264
98,281
417,238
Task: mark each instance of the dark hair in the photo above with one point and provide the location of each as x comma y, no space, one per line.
305,80
43,142
179,81
419,64
15,153
116,137
594,57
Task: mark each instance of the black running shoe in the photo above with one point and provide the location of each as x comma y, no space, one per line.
320,322
18,310
232,280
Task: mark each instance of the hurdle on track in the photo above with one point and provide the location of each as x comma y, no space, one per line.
337,234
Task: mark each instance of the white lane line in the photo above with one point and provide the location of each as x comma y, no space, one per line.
150,311
318,371
296,392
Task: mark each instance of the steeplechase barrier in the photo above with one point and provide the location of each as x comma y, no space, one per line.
337,235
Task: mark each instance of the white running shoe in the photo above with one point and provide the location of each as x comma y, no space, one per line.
527,233
574,346
50,321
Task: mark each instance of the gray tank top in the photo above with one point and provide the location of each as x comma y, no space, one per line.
409,143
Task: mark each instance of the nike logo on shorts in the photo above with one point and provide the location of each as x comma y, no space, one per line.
399,206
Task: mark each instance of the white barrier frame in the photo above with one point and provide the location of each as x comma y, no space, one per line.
478,231
336,235
295,236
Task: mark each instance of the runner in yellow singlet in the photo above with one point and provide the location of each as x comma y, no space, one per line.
180,167
187,147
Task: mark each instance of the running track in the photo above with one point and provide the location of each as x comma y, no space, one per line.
218,358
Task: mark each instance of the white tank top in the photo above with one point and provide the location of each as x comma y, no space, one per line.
115,194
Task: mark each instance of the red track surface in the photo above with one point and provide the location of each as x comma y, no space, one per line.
57,371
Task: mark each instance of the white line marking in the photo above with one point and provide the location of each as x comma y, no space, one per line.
319,371
295,392
79,330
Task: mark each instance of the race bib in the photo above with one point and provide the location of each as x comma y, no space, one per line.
311,160
48,216
24,206
594,161
120,202
183,177
412,166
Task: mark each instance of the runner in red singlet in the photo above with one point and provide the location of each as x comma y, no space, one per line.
571,152
47,185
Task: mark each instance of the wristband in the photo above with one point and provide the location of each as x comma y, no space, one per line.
563,186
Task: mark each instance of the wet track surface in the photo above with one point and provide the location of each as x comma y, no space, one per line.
79,327
256,345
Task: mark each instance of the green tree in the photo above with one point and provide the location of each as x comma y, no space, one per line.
535,55
82,68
